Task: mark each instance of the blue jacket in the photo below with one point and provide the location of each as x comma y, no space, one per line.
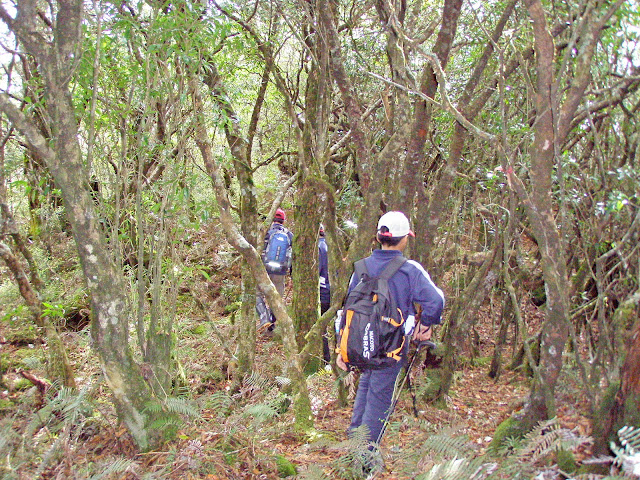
410,284
323,271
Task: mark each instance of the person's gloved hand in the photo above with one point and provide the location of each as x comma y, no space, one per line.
341,364
422,333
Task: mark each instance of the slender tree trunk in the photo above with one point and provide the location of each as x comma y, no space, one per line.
240,145
293,365
539,208
432,212
552,124
496,361
410,182
459,325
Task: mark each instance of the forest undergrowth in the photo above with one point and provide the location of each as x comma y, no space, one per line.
231,430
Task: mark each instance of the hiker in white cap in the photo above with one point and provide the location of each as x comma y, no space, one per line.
409,286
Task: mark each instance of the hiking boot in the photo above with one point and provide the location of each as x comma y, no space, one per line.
368,464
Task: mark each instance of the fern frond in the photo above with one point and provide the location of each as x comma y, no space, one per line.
349,381
165,421
261,411
74,403
460,469
32,363
41,417
220,401
182,392
358,440
355,464
602,459
542,428
393,428
181,407
424,425
627,456
60,395
314,472
510,445
153,407
53,450
546,437
255,381
119,465
283,381
448,445
630,438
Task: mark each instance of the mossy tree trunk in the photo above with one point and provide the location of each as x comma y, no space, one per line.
311,200
305,270
411,183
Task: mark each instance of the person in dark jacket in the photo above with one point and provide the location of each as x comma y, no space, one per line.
410,285
267,318
325,287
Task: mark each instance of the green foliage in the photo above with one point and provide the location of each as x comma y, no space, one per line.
22,384
232,307
14,313
167,415
315,472
199,329
6,406
53,311
354,463
285,467
220,402
427,386
349,201
566,460
261,412
59,422
548,437
447,445
509,429
18,326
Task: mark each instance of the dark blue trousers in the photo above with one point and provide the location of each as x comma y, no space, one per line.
373,399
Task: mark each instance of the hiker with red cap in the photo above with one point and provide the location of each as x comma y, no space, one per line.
276,256
409,286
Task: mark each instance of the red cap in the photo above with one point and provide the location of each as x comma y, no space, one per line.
280,215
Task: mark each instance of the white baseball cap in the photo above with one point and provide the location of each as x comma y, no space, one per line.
397,224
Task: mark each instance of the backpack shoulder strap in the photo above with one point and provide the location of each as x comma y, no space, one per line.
360,269
392,267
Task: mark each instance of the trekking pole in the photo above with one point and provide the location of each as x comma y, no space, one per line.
396,392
